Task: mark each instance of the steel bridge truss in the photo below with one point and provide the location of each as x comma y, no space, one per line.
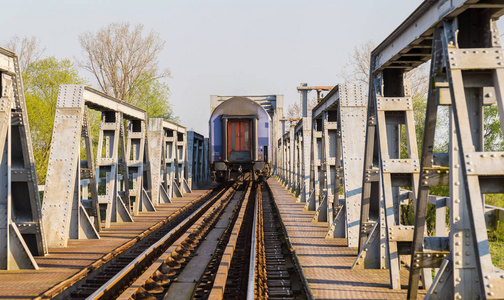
115,177
462,41
168,160
323,150
467,74
337,148
21,230
135,169
131,167
198,168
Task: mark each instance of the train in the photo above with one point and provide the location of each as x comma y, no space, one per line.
240,141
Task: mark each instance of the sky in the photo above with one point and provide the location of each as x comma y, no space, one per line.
220,47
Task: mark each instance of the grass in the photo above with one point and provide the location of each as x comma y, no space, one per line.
497,253
496,243
495,199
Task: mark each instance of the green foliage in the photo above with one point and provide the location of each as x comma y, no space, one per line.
41,81
496,243
497,235
497,253
495,199
151,95
493,133
419,108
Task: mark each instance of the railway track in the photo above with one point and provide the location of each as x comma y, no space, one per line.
228,245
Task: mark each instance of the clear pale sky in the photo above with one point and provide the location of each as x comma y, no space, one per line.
221,47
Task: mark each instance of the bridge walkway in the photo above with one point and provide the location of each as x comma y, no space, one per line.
327,263
64,264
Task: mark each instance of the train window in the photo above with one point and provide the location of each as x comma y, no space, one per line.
246,136
233,136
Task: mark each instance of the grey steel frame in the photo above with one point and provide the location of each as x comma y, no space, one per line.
65,216
467,73
302,138
21,229
338,121
196,157
462,41
351,108
382,237
167,160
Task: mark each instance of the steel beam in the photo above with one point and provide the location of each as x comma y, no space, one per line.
383,236
136,160
196,159
66,218
316,186
462,41
21,229
167,142
352,112
464,45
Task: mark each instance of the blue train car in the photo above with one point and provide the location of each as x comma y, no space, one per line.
240,140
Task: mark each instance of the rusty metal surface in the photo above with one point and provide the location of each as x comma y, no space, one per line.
326,262
63,263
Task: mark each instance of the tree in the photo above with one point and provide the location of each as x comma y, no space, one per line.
357,68
357,71
120,59
294,111
28,50
150,94
492,129
42,79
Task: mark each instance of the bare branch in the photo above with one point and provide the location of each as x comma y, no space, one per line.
27,48
358,67
118,56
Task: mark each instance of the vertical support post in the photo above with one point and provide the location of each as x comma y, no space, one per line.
21,227
305,160
64,216
155,142
108,167
292,146
192,145
352,112
304,100
135,161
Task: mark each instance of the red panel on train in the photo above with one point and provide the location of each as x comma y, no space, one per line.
239,145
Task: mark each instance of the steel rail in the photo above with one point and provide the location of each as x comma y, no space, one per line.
261,279
111,283
62,286
253,247
155,266
220,280
295,259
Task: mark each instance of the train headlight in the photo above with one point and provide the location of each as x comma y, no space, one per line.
260,157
